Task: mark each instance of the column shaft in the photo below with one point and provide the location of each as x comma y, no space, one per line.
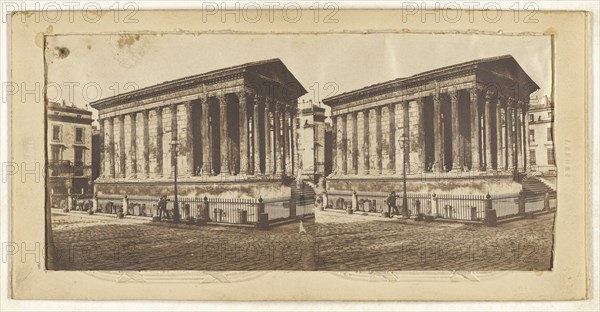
525,136
189,139
379,147
122,158
510,136
354,153
344,144
256,136
224,128
277,144
334,143
488,132
146,138
475,131
437,133
392,143
102,165
243,124
499,142
206,142
285,137
173,138
133,148
365,147
269,161
159,142
457,162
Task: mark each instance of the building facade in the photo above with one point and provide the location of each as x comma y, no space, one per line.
226,132
312,140
69,138
541,136
464,122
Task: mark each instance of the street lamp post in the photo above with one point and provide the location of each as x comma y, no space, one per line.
404,197
176,202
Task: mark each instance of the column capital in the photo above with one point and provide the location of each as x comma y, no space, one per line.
453,93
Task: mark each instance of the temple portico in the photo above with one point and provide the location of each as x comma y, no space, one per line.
232,125
462,121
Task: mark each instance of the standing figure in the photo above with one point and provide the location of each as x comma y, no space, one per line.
391,202
162,207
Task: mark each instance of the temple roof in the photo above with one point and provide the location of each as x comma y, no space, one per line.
195,80
512,70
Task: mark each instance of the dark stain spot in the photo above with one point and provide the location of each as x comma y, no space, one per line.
89,47
61,52
127,40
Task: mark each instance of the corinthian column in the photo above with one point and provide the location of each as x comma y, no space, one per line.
189,144
510,135
499,143
392,143
146,138
475,130
488,131
277,138
437,133
159,143
206,142
224,126
243,124
334,144
268,116
256,134
378,144
365,147
132,161
457,161
344,145
519,128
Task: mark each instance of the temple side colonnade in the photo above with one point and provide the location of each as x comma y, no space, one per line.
466,117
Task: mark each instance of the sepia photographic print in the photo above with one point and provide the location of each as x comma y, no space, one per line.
368,155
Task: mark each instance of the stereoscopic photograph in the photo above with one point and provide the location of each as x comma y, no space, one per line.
285,152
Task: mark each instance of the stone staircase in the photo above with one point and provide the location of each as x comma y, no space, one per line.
534,187
304,193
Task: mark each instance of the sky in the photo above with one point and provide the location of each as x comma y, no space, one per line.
84,68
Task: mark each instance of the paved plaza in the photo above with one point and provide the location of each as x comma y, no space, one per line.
336,241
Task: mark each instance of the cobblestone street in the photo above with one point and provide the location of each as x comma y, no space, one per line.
335,242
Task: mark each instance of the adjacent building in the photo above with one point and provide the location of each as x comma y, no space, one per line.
69,138
541,136
312,131
465,122
229,132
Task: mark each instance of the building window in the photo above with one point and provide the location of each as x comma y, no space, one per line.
532,157
56,133
78,135
551,161
549,135
55,154
531,117
531,135
78,160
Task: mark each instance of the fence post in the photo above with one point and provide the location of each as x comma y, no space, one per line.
121,212
260,208
488,202
354,201
205,209
95,202
435,208
490,213
521,199
546,201
69,201
325,200
262,217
